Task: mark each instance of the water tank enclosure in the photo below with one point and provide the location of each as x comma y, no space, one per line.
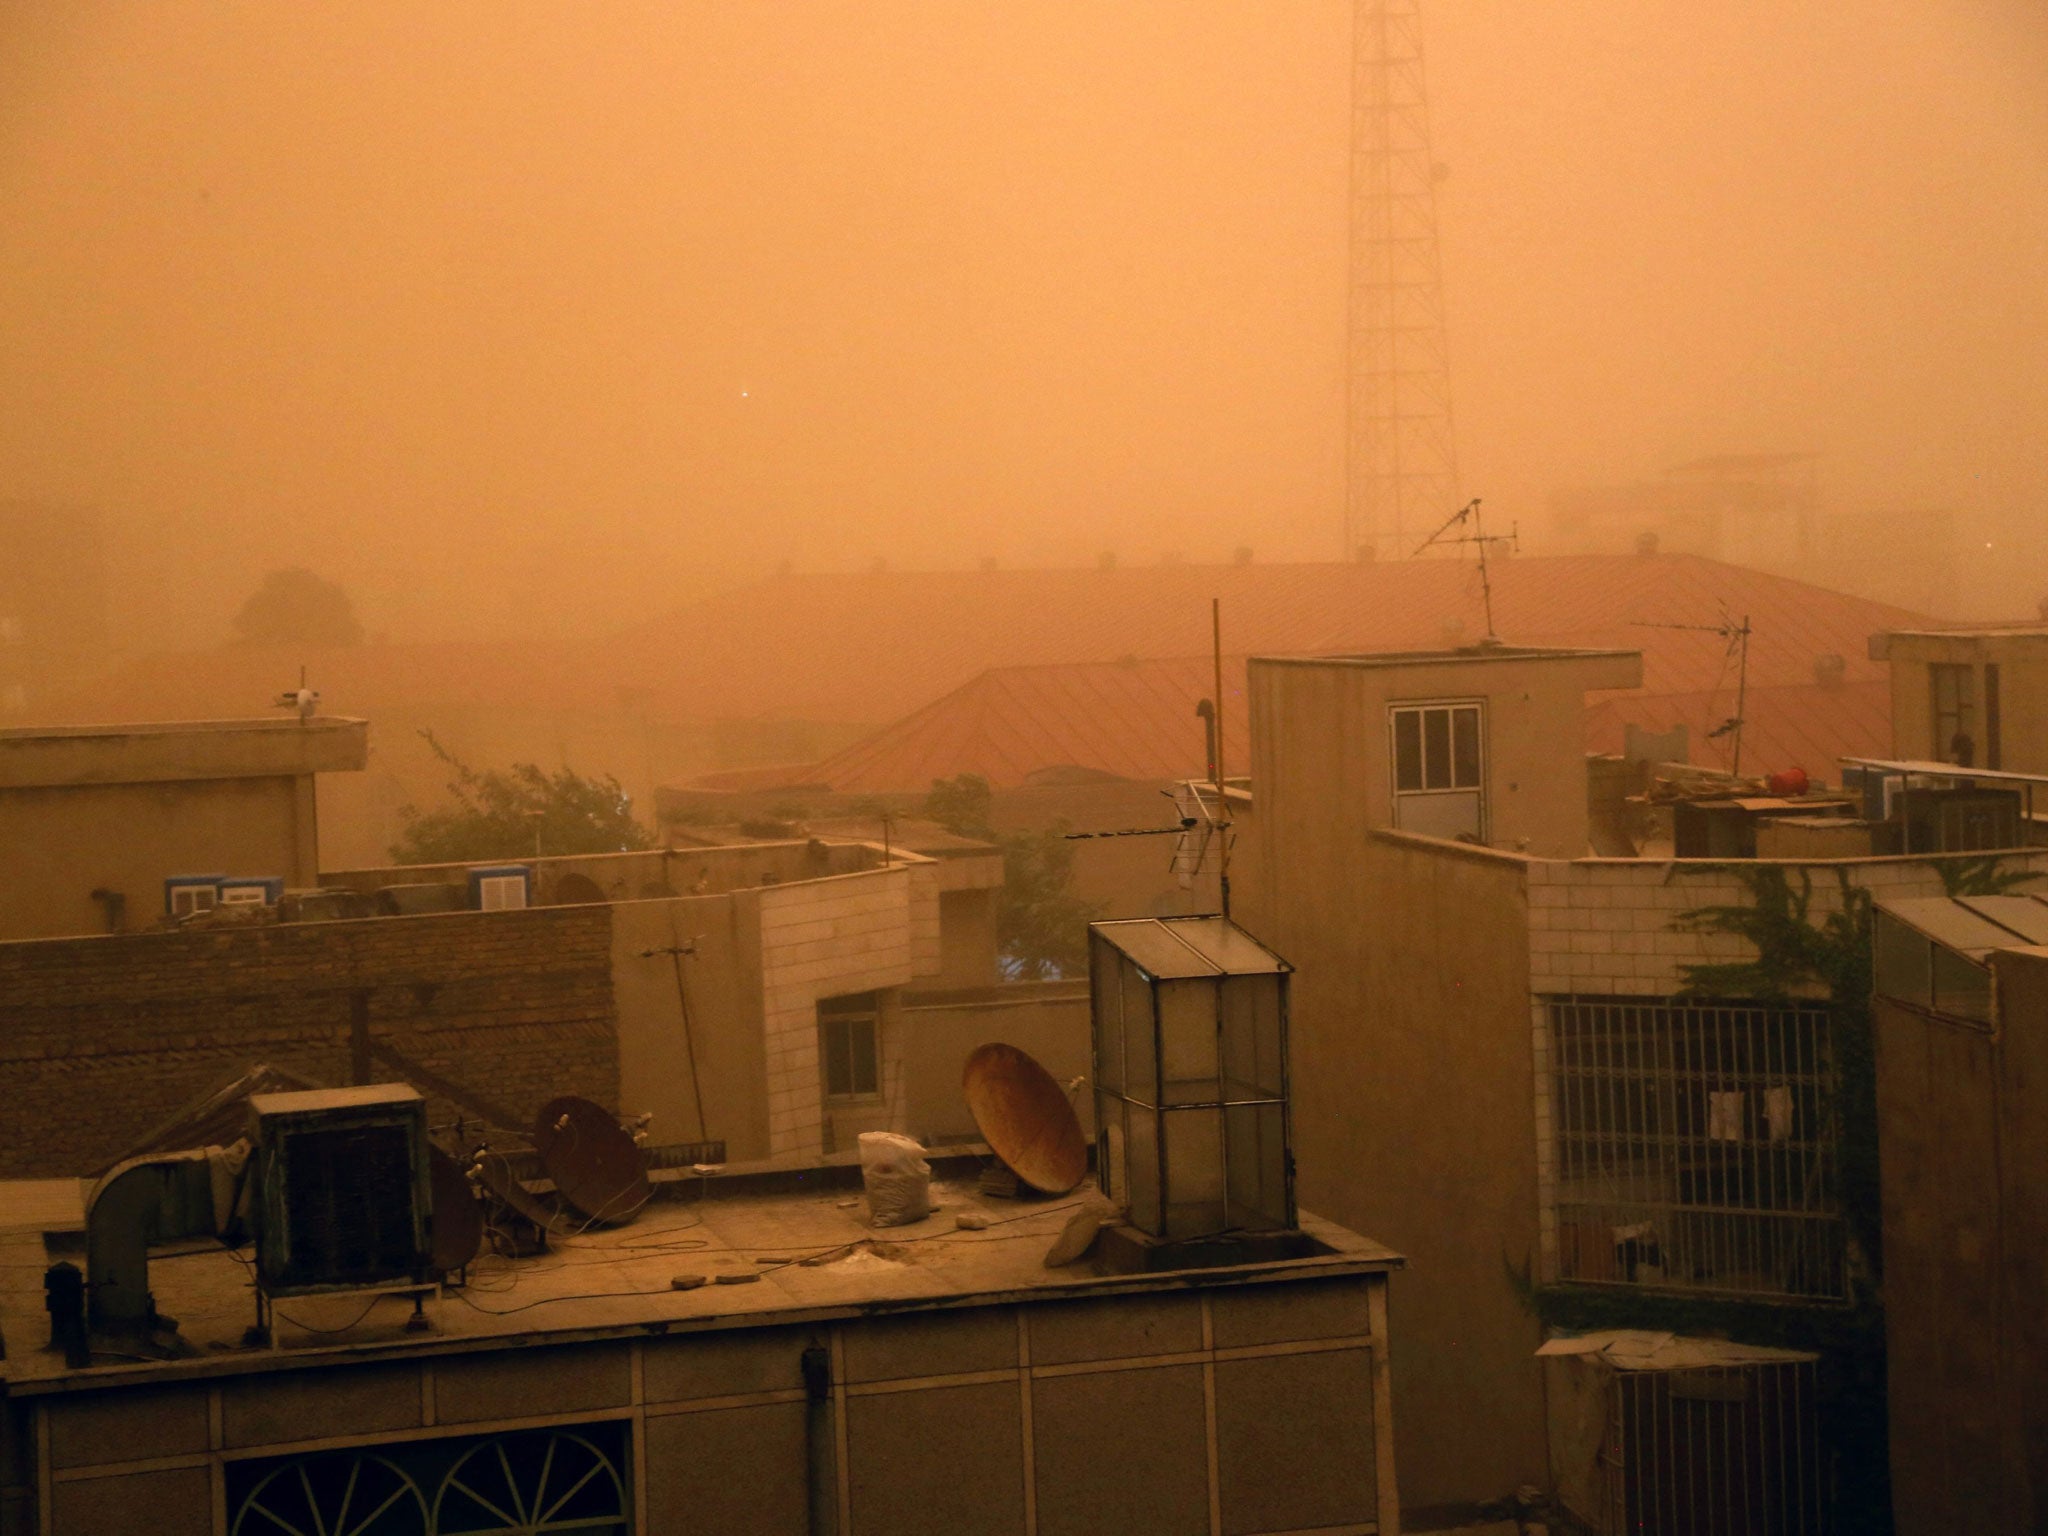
1190,1054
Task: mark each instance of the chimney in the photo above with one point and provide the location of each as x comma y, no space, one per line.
1243,555
1106,561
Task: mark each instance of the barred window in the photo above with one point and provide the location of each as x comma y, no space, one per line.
1696,1146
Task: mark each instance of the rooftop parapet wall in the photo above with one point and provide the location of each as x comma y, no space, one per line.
647,874
1607,925
181,751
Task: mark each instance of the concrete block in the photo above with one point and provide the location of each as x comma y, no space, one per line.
569,1379
1275,1314
171,1503
90,1429
1064,1332
1088,1479
933,1344
1273,1477
728,1472
947,1459
687,1366
273,1409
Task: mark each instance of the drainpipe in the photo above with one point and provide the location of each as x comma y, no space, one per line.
818,1449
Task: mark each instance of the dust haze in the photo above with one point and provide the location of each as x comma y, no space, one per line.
519,318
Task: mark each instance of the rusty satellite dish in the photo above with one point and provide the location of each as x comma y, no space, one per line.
596,1166
458,1219
1025,1118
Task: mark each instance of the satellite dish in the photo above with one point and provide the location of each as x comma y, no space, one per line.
596,1166
1025,1118
458,1220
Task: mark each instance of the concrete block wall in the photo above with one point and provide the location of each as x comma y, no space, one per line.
830,938
103,1038
1605,925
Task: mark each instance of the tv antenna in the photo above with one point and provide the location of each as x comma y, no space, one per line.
1736,636
1197,825
1480,538
303,699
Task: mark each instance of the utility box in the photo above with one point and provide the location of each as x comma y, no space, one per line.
343,1200
1190,1053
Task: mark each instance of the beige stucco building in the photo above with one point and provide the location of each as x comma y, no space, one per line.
1988,687
94,820
1506,1058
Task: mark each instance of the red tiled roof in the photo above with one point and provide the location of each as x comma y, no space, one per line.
1136,720
876,647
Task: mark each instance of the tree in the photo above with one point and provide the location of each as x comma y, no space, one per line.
296,607
1041,925
508,813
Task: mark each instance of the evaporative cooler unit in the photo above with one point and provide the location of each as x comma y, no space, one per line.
1190,1033
343,1200
1655,1434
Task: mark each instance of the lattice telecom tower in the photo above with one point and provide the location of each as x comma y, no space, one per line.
1401,476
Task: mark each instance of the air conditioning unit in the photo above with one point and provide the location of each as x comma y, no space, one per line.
250,891
1661,1435
343,1200
189,895
500,887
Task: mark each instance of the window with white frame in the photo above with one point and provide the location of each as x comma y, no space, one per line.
1695,1145
850,1046
1439,768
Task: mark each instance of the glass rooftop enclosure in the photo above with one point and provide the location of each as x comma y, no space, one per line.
1190,1058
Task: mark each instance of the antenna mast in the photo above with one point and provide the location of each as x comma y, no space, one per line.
1481,538
1401,454
1737,636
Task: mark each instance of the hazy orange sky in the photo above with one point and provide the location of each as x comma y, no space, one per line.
465,302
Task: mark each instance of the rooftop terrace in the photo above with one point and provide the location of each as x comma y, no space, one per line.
772,1250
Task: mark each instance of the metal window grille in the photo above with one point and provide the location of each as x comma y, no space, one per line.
1720,1451
1696,1146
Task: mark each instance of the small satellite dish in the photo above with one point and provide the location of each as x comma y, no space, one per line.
458,1220
1025,1118
596,1166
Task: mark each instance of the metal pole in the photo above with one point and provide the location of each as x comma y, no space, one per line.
1222,795
1741,695
675,955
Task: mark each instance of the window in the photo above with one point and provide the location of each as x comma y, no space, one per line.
1955,714
1695,1146
849,1046
190,900
1439,769
536,1480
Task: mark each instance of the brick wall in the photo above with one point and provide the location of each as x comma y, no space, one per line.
103,1038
